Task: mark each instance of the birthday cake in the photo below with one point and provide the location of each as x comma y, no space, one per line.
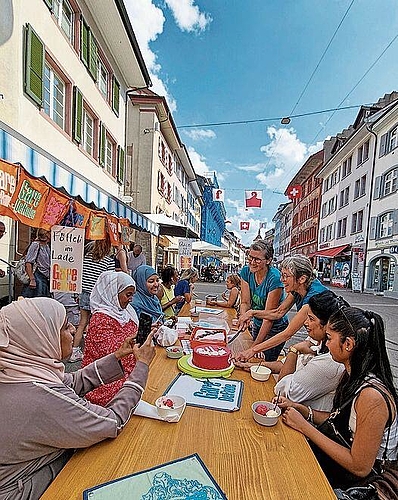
211,357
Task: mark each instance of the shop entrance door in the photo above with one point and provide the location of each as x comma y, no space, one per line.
382,274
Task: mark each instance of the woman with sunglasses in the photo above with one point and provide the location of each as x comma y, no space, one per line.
262,290
300,284
364,408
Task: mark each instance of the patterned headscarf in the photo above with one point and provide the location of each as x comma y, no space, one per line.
30,345
104,297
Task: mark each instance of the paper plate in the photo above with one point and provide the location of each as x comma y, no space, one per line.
190,362
185,367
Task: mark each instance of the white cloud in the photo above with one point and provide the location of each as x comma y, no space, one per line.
243,214
188,16
148,21
198,162
198,134
286,154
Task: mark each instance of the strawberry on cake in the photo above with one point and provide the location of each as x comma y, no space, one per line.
211,357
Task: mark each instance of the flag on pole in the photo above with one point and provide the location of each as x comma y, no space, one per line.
294,192
244,225
253,199
218,194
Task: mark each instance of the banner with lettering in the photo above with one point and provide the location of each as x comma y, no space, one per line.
185,253
113,229
67,245
29,199
8,183
96,228
55,208
215,393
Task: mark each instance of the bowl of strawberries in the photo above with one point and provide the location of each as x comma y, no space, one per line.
265,413
170,406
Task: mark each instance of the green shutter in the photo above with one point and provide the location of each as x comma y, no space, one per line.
77,114
93,56
84,42
34,66
120,170
116,96
102,145
49,4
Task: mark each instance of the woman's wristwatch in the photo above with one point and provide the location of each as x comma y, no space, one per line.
293,350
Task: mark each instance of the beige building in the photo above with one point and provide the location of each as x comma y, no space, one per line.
66,69
159,175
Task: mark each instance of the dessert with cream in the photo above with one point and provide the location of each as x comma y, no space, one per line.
211,357
166,403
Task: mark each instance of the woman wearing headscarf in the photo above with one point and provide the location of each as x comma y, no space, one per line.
113,319
43,413
145,299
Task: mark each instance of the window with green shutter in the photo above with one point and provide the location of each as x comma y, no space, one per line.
120,169
84,44
115,96
102,145
93,57
34,65
77,115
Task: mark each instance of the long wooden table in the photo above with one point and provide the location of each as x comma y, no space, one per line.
247,460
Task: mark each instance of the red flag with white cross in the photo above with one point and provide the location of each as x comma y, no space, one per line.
295,192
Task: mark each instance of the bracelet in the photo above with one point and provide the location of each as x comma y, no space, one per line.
310,417
293,350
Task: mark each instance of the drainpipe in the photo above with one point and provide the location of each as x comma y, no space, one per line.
365,270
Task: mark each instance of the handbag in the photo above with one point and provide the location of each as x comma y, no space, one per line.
20,271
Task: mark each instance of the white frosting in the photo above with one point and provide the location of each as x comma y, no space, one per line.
211,351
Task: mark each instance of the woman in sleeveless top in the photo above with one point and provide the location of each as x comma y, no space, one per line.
166,292
232,295
364,407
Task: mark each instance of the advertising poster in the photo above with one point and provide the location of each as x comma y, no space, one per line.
185,253
67,244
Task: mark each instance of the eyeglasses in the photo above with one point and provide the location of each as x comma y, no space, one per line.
255,260
285,276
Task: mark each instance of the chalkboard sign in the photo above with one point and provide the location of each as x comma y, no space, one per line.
356,282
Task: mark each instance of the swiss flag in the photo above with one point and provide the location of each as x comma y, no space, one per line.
244,225
294,192
253,199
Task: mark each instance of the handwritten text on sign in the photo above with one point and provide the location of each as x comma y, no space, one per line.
67,245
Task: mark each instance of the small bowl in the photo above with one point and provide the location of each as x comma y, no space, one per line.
166,412
174,352
263,419
261,373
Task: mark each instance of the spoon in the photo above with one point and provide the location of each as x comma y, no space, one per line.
258,366
277,400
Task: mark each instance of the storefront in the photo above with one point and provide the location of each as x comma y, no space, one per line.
334,266
381,274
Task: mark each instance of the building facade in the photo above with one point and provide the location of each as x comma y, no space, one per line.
213,212
305,215
66,67
160,178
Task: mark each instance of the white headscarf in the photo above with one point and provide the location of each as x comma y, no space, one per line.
104,297
30,345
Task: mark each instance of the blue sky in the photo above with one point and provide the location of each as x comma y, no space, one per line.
230,60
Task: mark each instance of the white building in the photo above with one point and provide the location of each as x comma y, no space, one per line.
160,177
347,186
66,67
382,245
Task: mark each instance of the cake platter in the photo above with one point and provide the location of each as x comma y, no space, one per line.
192,370
191,363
